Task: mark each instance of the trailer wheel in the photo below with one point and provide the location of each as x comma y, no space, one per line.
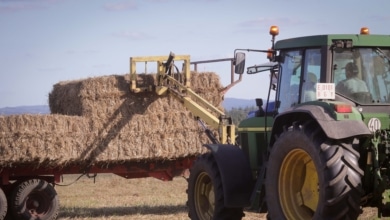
312,177
34,199
3,204
205,193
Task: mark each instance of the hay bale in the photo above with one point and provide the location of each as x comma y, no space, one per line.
103,96
99,120
42,140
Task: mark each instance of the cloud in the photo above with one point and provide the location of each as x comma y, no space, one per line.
70,51
50,69
100,66
260,22
12,6
262,25
121,6
74,51
91,51
211,1
196,1
30,1
132,35
378,18
158,1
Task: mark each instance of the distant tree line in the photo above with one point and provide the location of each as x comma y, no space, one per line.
239,114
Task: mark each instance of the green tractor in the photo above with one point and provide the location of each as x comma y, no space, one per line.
320,149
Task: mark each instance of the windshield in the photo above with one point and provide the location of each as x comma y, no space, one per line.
363,74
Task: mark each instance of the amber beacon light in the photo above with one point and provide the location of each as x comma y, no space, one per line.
274,30
364,30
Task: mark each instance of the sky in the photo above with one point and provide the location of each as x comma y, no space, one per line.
43,42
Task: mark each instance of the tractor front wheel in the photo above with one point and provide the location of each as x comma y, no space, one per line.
312,177
205,192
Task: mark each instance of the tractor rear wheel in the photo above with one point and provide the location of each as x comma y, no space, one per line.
205,192
34,199
312,177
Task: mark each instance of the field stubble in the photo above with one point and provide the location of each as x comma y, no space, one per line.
112,197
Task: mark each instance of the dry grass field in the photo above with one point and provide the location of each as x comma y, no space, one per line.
113,197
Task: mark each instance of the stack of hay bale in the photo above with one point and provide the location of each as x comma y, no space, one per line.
99,120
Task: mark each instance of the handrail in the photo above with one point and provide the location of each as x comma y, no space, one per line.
233,81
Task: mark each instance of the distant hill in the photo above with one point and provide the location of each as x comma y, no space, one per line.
34,109
228,104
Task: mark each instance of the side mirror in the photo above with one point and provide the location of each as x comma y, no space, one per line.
259,102
239,63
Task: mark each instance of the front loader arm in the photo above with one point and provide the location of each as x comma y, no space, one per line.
204,110
167,84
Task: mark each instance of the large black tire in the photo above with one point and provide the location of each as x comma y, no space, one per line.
3,205
34,199
205,192
312,177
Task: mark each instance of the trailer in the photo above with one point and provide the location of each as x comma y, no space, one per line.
31,191
27,189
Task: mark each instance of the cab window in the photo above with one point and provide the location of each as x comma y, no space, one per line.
299,73
362,74
311,71
289,79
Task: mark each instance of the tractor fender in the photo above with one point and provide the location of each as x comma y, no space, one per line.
333,129
235,171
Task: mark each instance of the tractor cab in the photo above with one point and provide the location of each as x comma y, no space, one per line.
347,68
354,69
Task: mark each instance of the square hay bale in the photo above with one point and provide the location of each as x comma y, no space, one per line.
107,95
42,140
99,120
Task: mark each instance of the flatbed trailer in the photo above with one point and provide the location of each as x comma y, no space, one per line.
31,193
27,190
160,169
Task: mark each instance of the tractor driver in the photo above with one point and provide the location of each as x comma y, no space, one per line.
352,84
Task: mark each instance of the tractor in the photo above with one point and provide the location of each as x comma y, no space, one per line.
319,145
